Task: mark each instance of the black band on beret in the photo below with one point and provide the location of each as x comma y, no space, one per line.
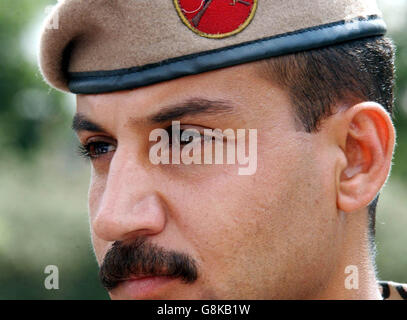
311,38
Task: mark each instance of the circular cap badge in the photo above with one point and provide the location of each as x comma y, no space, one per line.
216,18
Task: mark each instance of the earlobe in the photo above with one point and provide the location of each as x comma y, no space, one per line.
369,138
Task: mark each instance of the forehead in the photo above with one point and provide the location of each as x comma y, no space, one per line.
243,86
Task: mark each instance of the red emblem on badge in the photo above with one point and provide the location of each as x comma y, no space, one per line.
216,18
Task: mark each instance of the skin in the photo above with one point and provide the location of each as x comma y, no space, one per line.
286,232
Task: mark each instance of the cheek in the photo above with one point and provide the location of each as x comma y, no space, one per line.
244,225
227,209
95,194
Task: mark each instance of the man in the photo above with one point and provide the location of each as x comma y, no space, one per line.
314,79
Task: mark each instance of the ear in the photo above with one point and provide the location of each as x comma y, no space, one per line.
367,138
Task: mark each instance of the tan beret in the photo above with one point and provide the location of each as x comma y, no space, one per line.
100,46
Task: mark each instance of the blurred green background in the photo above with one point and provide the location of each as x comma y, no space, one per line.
43,182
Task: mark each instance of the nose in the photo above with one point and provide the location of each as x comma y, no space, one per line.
129,207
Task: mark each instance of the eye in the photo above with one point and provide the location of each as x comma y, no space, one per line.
96,149
187,133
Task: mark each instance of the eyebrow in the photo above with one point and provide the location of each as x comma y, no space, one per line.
191,107
81,123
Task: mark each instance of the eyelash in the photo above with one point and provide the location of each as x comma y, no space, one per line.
182,143
85,150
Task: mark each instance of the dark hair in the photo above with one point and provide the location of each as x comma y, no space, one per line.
348,73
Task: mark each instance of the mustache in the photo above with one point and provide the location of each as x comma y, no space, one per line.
141,258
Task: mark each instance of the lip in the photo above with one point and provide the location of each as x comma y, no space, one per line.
142,287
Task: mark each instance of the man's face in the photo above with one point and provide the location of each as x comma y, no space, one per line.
268,235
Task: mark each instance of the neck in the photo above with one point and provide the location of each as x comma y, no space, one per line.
354,277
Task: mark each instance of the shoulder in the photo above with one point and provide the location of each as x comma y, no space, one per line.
392,290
